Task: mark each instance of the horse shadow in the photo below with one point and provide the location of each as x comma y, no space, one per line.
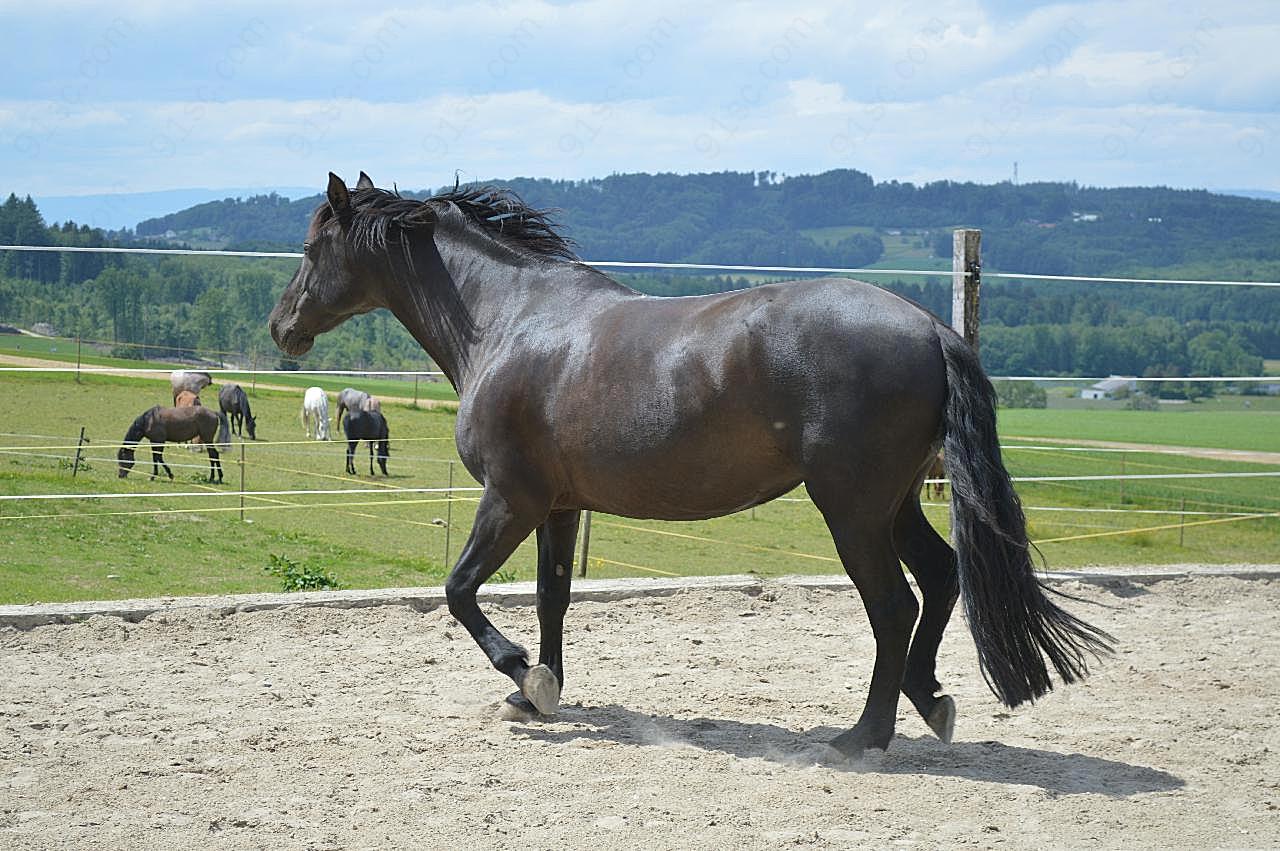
986,761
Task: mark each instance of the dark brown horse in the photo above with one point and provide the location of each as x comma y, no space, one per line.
164,425
371,426
579,393
234,402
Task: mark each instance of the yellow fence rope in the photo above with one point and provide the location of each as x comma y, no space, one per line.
687,536
1157,528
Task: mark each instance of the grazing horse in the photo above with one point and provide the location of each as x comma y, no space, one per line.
371,426
315,408
234,402
162,425
350,399
188,399
579,393
185,379
935,477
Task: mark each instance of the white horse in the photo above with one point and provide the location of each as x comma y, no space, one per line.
315,406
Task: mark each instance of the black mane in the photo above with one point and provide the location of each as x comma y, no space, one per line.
138,429
498,212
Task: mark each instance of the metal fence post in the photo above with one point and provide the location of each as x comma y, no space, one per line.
75,468
966,279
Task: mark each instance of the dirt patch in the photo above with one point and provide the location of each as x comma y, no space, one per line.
694,721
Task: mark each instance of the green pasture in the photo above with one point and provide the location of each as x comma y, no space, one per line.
64,350
54,550
1223,423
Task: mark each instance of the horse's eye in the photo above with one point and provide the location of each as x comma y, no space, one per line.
306,248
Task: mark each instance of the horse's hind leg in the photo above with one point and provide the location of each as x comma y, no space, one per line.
215,463
557,539
864,542
933,564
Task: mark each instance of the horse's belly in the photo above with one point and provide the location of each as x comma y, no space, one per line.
702,475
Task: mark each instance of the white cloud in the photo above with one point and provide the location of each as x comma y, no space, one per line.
1095,91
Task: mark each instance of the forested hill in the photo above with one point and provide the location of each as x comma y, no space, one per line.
839,218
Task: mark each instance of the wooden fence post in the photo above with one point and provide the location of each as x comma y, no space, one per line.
586,543
966,278
242,480
78,360
448,517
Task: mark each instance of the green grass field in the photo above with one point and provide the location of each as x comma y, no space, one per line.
64,351
127,547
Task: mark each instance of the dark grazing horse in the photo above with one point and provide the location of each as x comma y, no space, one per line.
579,393
371,426
234,402
163,425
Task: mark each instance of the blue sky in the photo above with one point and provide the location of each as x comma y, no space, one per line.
146,96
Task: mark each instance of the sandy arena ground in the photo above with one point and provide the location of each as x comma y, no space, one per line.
690,722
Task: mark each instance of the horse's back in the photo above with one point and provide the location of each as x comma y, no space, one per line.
736,396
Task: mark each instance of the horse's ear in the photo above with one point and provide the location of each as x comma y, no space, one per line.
339,197
365,181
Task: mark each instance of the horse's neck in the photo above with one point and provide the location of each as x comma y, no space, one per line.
501,292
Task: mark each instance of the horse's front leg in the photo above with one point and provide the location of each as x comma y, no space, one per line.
499,528
557,541
215,463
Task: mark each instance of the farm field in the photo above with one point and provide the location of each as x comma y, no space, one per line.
153,545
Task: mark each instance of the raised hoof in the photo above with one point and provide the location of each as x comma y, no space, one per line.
542,688
942,720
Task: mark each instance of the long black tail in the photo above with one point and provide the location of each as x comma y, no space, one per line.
224,432
1014,624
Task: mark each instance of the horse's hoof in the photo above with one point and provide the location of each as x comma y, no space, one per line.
942,720
856,743
517,708
542,688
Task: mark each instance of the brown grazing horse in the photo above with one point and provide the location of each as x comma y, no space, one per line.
935,478
163,425
579,393
186,379
188,399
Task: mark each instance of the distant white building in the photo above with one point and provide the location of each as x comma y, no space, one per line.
1106,389
1084,217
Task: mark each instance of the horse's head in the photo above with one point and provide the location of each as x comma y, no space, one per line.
251,423
125,459
336,280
